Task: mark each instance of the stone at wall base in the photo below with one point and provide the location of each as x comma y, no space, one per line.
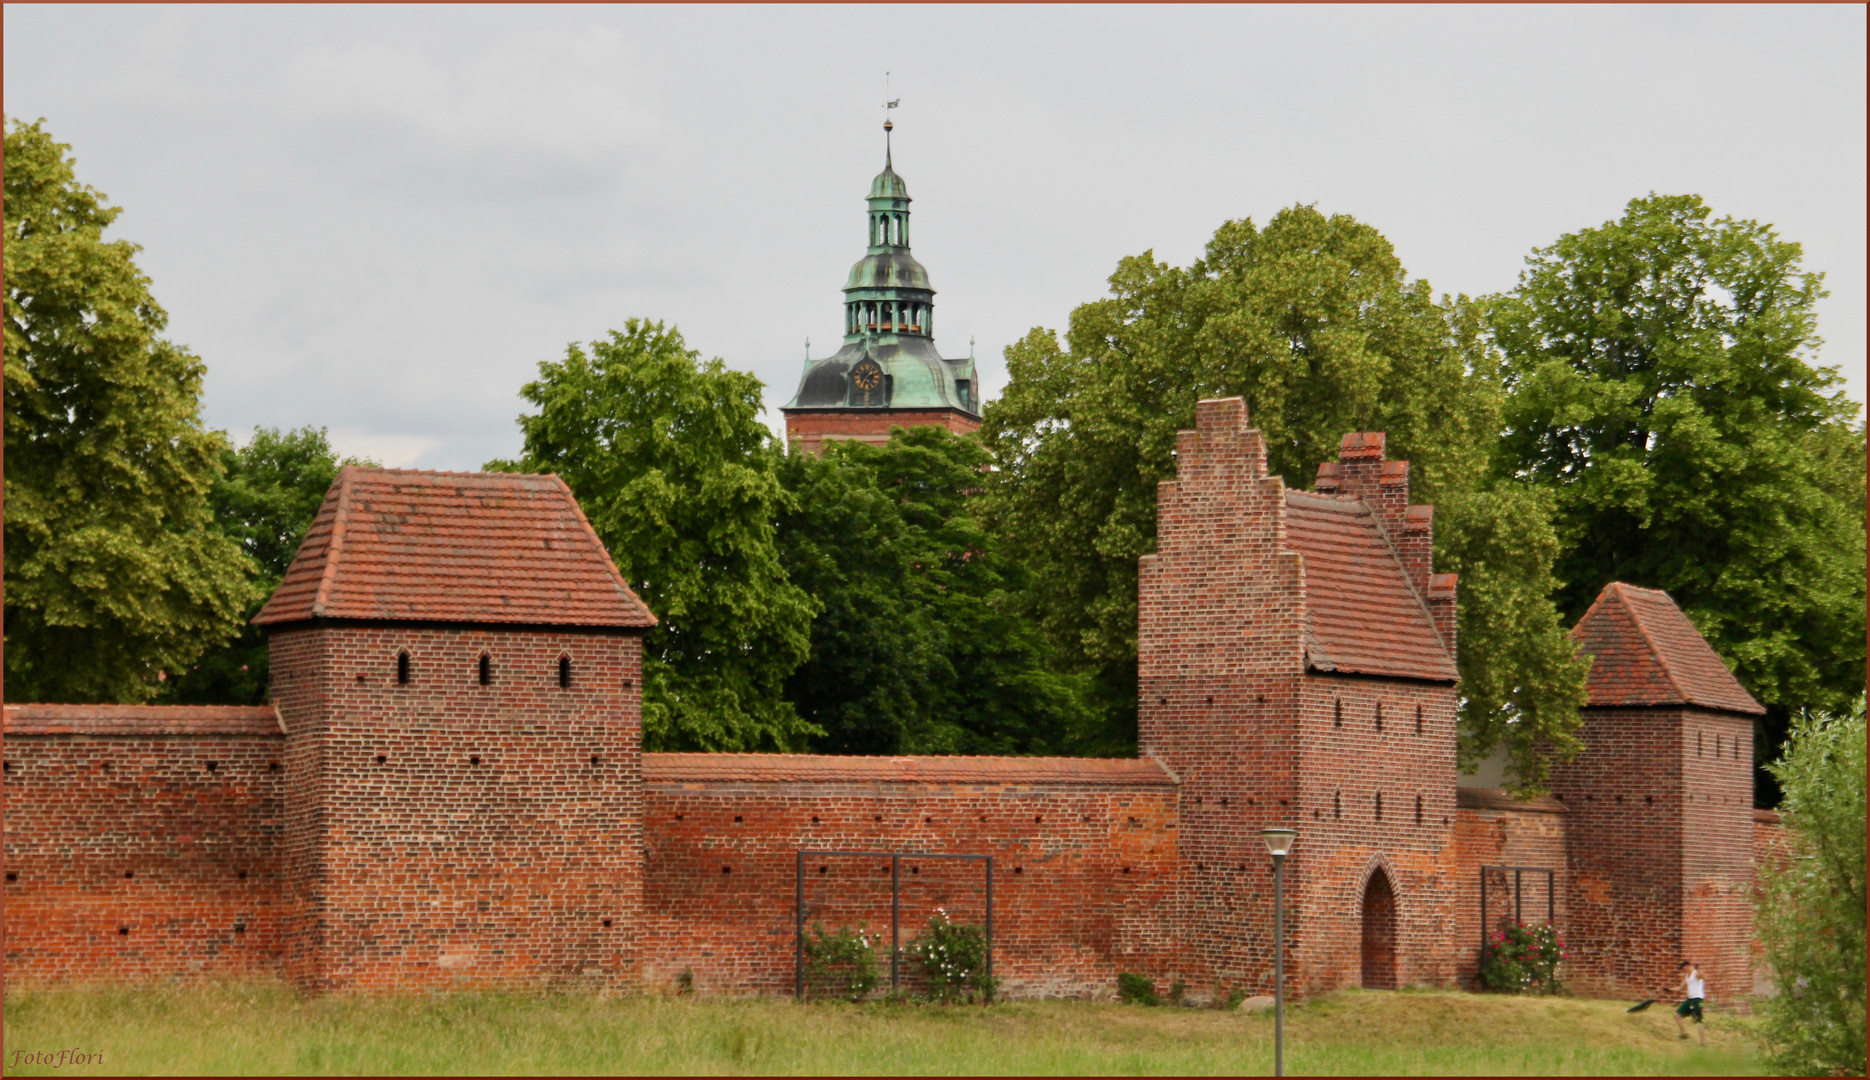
1257,1003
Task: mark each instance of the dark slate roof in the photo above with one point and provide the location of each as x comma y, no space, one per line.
919,378
132,720
1645,652
834,769
401,544
1364,617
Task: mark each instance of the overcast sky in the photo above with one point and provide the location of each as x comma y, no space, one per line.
380,220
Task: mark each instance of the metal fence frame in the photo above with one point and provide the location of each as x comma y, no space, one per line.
896,865
1519,872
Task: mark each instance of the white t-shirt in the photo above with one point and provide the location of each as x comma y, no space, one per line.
1697,987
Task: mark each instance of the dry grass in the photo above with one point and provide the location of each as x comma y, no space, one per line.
266,1029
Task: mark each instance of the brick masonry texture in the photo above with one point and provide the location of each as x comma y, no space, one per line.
448,833
807,432
1084,864
451,792
142,843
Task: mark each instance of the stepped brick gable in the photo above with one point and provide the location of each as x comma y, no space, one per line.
449,790
1292,674
1660,833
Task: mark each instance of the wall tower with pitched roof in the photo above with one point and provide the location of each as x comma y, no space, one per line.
458,667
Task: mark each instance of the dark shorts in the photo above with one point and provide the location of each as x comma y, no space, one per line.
1691,1007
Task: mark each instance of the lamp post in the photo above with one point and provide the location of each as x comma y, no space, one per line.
1279,841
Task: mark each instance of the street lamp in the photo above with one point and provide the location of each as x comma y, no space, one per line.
1279,841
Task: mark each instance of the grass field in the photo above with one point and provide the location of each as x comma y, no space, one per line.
267,1029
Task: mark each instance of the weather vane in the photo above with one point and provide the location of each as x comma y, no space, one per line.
888,104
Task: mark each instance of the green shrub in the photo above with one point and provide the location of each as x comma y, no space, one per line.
1811,912
1522,959
953,958
1134,989
841,964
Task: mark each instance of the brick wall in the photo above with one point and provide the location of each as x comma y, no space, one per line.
1084,863
1624,845
1220,668
445,833
1492,828
1347,762
807,432
141,843
1717,850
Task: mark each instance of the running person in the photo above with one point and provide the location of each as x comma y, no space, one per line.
1694,990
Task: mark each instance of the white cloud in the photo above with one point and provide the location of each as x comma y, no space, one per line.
387,449
582,96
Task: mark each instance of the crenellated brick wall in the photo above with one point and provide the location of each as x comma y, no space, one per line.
1084,863
448,833
142,843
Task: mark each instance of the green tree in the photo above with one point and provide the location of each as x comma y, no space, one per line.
1811,908
1662,390
269,492
1314,321
115,573
918,647
679,477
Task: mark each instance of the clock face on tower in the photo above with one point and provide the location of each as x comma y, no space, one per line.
868,378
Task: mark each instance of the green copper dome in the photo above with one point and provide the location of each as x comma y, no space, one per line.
888,185
889,360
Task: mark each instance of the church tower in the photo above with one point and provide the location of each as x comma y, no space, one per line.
888,372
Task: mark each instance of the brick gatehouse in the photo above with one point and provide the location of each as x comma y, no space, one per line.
449,789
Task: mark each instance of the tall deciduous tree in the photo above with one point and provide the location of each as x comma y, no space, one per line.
1663,390
1811,910
115,573
1314,321
918,647
679,477
269,492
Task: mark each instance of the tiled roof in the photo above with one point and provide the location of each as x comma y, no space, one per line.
1364,616
1645,652
1490,798
453,547
830,769
142,720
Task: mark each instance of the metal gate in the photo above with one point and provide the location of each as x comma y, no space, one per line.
896,864
1518,879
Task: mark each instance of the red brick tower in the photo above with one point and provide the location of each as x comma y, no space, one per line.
458,667
1660,828
1292,673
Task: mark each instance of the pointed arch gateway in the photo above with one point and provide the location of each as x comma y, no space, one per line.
1379,932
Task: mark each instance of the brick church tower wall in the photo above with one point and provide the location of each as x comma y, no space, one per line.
808,432
442,833
142,843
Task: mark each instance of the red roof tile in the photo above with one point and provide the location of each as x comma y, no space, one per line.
142,720
830,769
1364,616
453,547
1645,652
